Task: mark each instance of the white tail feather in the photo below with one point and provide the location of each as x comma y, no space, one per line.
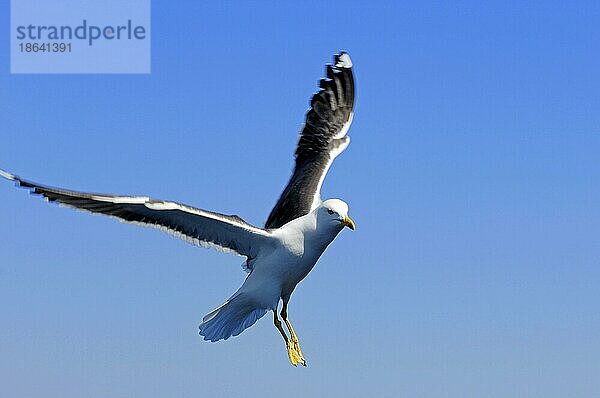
230,319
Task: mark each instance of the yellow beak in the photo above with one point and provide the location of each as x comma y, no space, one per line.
349,223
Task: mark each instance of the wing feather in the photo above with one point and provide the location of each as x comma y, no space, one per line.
322,139
199,227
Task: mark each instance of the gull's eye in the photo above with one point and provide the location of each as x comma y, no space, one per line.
329,211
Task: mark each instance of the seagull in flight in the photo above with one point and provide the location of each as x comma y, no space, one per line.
295,235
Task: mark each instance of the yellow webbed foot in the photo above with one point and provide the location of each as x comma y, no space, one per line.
296,346
294,354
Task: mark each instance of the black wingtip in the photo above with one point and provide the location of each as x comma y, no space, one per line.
8,176
19,182
342,60
15,178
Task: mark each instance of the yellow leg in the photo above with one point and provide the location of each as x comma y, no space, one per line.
294,339
293,355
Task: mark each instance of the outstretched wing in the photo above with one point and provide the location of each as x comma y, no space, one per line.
196,226
322,139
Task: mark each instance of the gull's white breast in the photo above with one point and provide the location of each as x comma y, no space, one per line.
277,272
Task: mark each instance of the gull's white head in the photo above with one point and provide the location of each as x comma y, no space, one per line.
334,212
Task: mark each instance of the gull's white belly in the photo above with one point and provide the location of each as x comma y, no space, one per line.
277,272
277,275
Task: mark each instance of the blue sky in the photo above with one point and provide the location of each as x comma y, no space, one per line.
472,176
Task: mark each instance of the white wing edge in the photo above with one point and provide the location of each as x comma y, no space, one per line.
154,205
333,153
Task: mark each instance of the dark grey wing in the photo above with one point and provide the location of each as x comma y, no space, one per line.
322,139
196,226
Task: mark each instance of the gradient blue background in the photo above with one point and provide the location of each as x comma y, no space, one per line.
472,175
